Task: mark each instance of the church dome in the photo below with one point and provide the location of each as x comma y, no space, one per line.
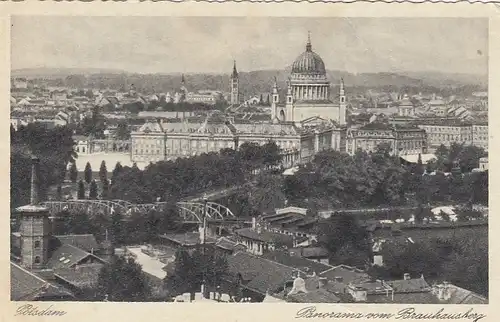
309,62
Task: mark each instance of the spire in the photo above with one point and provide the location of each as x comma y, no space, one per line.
275,86
308,45
235,72
342,85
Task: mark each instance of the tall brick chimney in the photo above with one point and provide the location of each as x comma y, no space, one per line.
35,180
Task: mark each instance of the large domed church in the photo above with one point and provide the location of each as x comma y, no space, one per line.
308,92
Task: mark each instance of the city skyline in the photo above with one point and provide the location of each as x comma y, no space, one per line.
355,45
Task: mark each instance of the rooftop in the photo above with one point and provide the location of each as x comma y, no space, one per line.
300,263
86,242
265,236
347,273
26,286
85,276
187,239
259,274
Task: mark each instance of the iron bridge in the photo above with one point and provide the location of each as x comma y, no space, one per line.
191,212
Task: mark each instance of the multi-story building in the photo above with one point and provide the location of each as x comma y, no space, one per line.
449,131
156,141
480,134
401,140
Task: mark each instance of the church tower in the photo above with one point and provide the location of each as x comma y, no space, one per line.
342,103
35,226
235,95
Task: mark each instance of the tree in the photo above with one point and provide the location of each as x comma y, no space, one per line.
93,190
116,171
73,172
268,102
117,228
271,154
341,231
105,189
419,169
103,172
59,193
122,131
413,258
88,173
81,190
123,281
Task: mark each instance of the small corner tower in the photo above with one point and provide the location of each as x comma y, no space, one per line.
275,102
289,102
342,103
235,95
35,226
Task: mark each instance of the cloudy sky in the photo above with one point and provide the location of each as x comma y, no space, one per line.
202,44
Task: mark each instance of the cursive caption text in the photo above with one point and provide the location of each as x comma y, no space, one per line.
409,313
34,310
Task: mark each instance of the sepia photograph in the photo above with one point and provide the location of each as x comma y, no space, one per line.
249,159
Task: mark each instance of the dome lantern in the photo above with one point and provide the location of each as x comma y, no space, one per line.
309,63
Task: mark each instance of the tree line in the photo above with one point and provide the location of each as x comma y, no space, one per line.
54,148
187,176
375,179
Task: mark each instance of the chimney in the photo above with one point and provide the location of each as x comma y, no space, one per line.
254,223
406,276
322,282
446,295
35,168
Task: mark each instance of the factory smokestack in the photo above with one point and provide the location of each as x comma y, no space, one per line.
35,180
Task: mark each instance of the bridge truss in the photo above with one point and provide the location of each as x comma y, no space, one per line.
188,211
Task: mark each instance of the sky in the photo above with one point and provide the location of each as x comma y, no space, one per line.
210,44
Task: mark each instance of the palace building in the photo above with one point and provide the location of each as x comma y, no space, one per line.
308,92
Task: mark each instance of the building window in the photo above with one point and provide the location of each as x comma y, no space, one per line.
37,244
37,259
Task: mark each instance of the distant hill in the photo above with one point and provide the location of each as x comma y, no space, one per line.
450,79
45,72
253,82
